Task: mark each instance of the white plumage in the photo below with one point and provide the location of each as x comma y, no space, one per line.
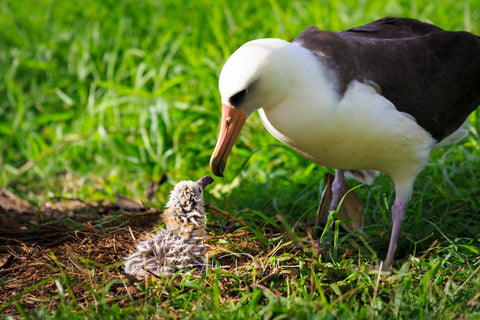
378,97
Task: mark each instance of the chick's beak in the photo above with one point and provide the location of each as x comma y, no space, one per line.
205,181
230,126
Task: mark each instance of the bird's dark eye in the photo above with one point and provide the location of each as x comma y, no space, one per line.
237,99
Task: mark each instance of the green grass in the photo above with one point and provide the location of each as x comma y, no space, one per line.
102,97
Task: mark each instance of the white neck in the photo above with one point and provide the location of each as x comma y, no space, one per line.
309,97
304,77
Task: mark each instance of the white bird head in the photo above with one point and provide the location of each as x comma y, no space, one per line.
260,74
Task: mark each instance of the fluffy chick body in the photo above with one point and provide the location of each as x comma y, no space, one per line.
180,245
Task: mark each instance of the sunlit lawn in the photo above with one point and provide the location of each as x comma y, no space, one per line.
103,97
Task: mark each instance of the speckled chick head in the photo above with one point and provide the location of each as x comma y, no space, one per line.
185,206
186,196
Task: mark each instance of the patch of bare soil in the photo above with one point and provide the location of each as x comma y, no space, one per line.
64,240
82,244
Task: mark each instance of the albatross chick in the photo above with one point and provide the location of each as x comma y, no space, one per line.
180,244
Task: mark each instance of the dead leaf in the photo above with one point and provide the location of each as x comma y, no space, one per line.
14,210
128,204
11,203
151,189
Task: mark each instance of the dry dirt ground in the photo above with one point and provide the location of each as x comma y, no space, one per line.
83,244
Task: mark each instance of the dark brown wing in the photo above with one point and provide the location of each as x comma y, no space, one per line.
432,74
392,28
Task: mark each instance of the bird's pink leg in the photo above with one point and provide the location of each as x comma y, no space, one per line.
338,185
337,189
398,214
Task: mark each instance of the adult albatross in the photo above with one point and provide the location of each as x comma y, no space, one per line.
373,98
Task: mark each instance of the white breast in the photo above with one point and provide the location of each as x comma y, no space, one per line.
361,131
